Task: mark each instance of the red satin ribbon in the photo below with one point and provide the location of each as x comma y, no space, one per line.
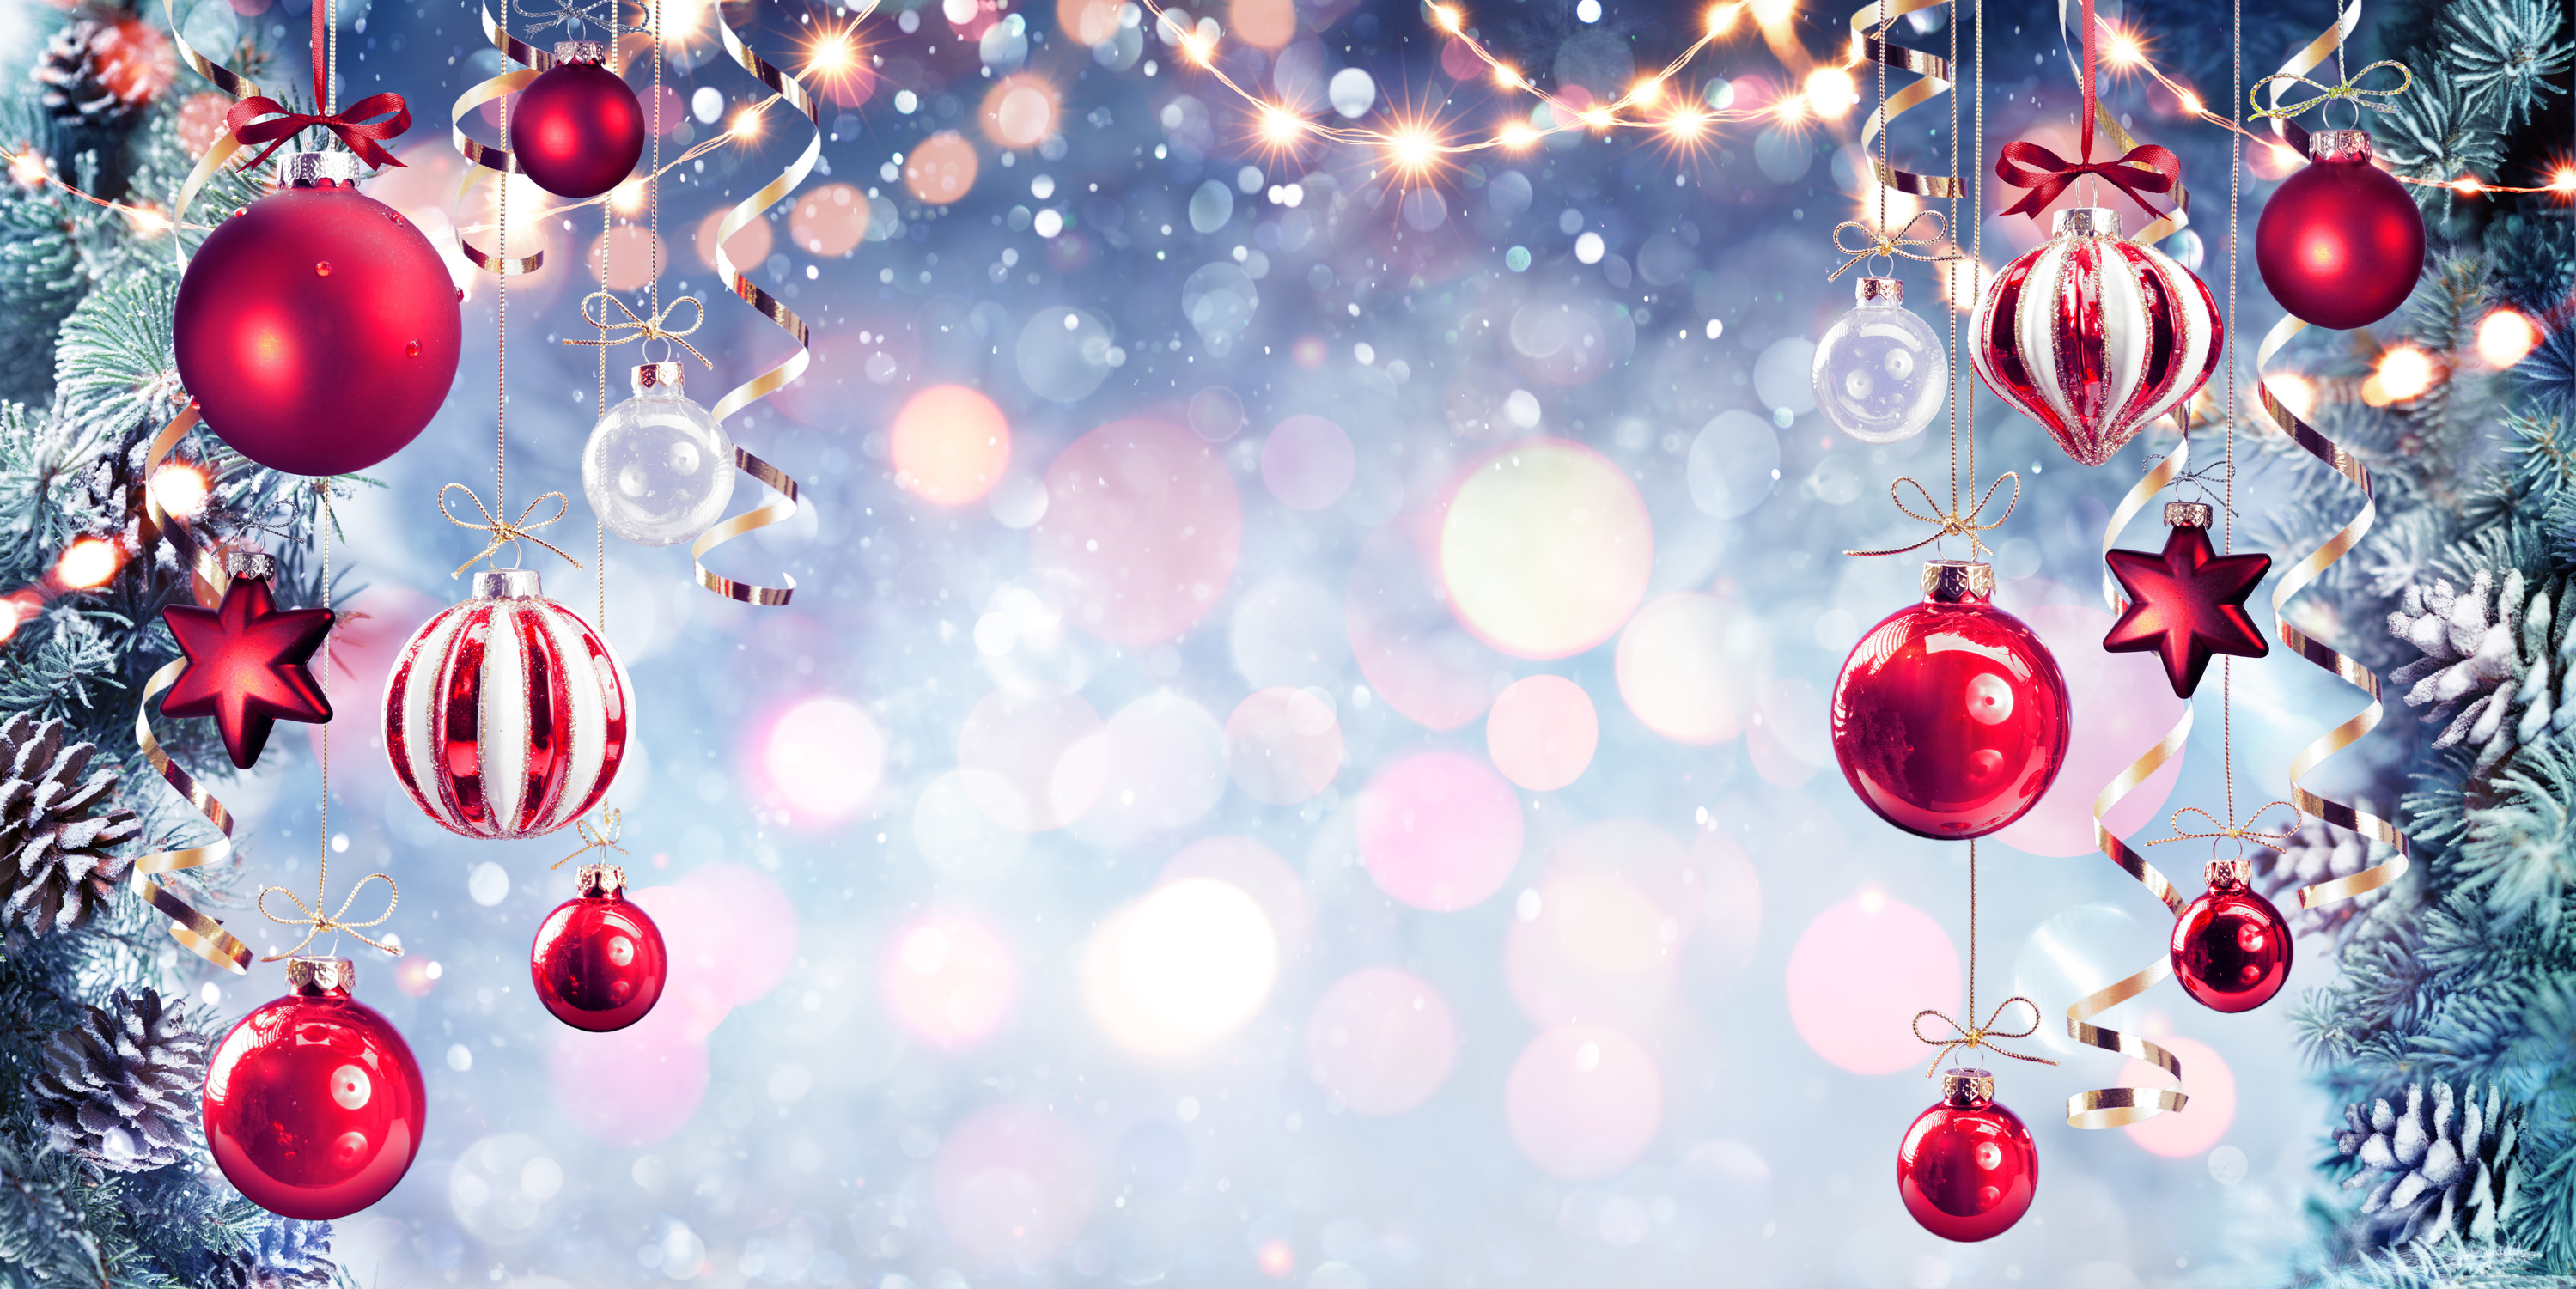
351,125
2143,169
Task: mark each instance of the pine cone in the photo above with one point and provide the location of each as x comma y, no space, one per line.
120,1089
2487,668
288,1254
103,71
56,865
2319,852
2434,1176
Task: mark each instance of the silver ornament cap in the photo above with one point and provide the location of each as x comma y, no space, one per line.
581,51
2339,145
666,377
508,584
318,169
1878,292
2087,221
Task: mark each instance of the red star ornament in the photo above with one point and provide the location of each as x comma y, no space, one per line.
2186,603
247,665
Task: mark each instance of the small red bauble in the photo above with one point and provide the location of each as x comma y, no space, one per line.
577,129
598,961
1950,716
2341,243
2231,947
2093,335
314,1106
309,369
1967,1168
506,716
2187,602
249,661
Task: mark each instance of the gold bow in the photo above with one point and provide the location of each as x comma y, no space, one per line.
2239,833
603,838
2348,92
507,532
1890,246
315,922
644,328
1978,1036
1951,523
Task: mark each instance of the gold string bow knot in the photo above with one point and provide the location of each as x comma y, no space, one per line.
315,921
602,838
645,328
1891,246
1979,1036
2348,92
2214,832
1949,523
507,532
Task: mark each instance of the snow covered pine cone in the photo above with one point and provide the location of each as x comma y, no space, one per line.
2485,660
285,1254
103,69
57,866
120,1088
2432,1174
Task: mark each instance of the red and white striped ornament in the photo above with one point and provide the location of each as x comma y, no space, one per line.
2093,335
507,716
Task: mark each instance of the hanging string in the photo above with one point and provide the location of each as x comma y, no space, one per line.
1951,522
1974,1035
311,917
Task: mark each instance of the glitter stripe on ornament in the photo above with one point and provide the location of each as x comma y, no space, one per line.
792,92
1934,71
486,161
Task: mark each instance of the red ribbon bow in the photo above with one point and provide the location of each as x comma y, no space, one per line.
351,125
2143,169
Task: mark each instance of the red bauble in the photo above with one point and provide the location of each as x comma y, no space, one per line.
598,961
317,329
2231,948
248,664
1967,1169
2341,243
2093,335
314,1106
578,128
1950,717
506,716
2187,602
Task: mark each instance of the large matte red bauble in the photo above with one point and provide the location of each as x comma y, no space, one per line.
1950,717
2341,243
314,1106
577,130
317,330
2231,948
1967,1169
598,961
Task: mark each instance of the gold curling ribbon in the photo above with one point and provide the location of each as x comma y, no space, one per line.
190,926
2114,1106
1868,25
1950,523
225,145
483,160
2299,577
1980,1035
783,506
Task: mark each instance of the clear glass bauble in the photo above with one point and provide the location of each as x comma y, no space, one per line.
1880,373
658,469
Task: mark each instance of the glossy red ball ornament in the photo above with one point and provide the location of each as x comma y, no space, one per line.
2231,948
577,129
314,1106
1967,1168
1950,716
2341,243
317,329
598,961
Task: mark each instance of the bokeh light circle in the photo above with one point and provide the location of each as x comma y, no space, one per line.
749,247
829,221
1013,1184
1257,871
1381,1040
824,757
949,979
1541,732
949,445
631,1087
1439,831
1545,548
1172,973
1307,462
1405,640
2204,1118
1016,754
1690,666
1283,745
1858,975
941,168
1598,948
1161,762
1584,1101
1144,517
1021,110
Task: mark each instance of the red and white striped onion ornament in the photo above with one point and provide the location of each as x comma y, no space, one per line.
507,716
2093,335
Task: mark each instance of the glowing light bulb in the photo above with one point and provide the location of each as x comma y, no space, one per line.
28,169
1721,17
1516,136
2296,392
1831,93
2404,372
1279,126
2190,103
1647,92
87,563
1771,13
2504,336
181,488
2122,48
2563,181
1445,17
1413,149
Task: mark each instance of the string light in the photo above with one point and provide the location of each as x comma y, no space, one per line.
181,488
2404,372
88,563
2504,336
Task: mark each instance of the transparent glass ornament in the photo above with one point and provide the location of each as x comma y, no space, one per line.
658,469
1880,372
